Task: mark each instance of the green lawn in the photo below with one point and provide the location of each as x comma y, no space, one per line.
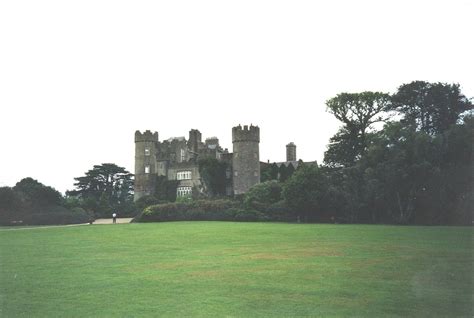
236,270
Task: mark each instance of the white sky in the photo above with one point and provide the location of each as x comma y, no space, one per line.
77,78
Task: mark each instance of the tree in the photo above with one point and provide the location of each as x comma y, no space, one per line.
305,193
358,112
343,149
262,195
37,193
30,202
10,205
108,185
286,171
430,107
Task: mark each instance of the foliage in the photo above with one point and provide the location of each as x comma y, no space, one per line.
343,149
11,206
213,176
305,193
263,194
430,107
146,201
56,215
417,170
30,202
36,193
104,189
358,112
268,172
272,171
201,210
165,189
188,210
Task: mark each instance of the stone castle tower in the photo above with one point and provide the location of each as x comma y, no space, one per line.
291,152
145,163
245,159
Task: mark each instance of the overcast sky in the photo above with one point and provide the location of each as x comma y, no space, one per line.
77,78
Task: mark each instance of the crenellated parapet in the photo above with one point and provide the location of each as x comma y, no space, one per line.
245,133
146,136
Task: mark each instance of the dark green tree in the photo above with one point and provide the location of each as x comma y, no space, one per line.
305,194
263,195
358,112
37,193
11,207
430,107
286,172
105,187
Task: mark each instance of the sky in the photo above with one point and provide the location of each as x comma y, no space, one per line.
77,78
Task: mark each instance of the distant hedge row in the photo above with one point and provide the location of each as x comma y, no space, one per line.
203,210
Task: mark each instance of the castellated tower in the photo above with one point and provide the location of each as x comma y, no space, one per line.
245,159
145,163
291,152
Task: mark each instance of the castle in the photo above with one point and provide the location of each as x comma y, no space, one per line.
177,159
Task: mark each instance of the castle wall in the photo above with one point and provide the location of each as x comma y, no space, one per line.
195,180
245,159
291,152
145,163
176,155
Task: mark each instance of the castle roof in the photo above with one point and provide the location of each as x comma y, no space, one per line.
176,138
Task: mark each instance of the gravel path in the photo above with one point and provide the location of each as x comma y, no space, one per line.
109,221
98,221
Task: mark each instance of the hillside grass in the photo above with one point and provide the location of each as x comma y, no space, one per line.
226,269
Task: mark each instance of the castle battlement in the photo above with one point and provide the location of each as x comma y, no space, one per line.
146,136
246,133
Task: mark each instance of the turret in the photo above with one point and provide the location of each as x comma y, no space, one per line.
145,163
194,140
291,152
245,159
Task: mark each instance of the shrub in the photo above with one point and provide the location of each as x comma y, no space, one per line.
279,211
146,201
262,195
211,210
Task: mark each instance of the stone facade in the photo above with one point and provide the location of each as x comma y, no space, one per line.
177,159
291,152
245,159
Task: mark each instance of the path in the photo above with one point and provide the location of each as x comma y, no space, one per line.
109,221
98,221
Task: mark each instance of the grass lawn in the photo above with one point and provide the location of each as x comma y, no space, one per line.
236,270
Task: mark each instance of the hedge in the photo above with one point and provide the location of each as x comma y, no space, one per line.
200,210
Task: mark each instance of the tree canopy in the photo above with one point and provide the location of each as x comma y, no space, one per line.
357,112
104,188
430,107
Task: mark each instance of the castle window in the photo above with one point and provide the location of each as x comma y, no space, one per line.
183,191
183,155
147,151
147,169
183,175
236,173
